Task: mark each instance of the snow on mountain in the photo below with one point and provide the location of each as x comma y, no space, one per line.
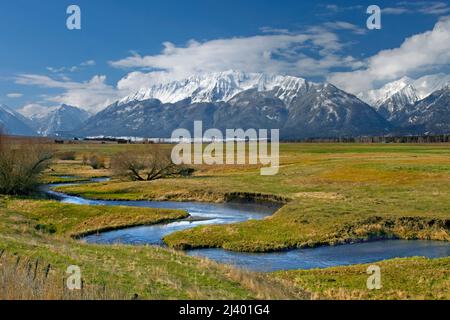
432,114
48,121
13,122
411,90
399,106
398,100
298,108
377,97
326,111
220,86
36,111
428,84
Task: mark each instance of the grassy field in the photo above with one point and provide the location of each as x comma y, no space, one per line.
42,230
69,220
413,278
335,193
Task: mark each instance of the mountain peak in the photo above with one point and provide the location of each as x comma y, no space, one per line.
378,97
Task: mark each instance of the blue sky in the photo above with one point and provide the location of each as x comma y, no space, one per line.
127,44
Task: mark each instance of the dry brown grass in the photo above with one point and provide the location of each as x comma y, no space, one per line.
32,279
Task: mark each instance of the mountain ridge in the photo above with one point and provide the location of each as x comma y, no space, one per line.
300,109
217,87
49,121
14,123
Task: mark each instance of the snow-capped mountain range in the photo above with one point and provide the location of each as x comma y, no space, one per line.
233,99
219,86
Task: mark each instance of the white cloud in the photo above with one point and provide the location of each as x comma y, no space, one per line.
14,95
343,25
275,30
88,63
283,53
334,8
395,10
437,8
313,52
418,54
92,95
422,7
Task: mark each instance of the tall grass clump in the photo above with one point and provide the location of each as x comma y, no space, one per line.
21,163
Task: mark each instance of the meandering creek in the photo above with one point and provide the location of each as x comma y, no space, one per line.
212,213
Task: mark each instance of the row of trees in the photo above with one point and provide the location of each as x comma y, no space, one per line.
442,138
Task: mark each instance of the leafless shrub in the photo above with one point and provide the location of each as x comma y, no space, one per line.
151,164
21,163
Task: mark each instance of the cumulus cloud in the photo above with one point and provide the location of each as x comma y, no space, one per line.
420,53
92,95
313,52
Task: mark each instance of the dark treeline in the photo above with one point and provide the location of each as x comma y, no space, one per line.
443,138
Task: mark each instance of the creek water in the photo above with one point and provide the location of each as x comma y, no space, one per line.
215,214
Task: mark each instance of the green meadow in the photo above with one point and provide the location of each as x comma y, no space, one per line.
331,194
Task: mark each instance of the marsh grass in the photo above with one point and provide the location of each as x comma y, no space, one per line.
411,278
22,278
77,221
143,272
338,193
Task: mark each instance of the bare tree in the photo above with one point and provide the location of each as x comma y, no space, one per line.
151,164
21,162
